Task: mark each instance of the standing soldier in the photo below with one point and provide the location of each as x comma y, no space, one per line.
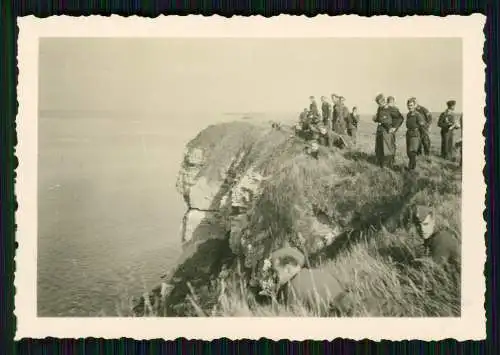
352,124
313,109
424,131
397,119
384,147
414,122
447,123
341,115
326,111
335,102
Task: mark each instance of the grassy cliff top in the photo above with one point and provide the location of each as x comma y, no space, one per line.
375,256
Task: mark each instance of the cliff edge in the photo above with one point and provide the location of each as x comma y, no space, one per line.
252,188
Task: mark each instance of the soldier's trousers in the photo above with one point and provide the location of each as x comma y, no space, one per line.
425,143
413,160
447,144
351,132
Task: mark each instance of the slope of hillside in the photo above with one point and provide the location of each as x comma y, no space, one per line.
251,189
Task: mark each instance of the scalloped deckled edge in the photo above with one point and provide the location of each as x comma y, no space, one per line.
30,28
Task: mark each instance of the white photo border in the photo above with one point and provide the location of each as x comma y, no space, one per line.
472,323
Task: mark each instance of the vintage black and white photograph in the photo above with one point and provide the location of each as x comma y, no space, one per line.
318,177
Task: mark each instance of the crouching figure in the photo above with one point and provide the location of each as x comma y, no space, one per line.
316,289
442,245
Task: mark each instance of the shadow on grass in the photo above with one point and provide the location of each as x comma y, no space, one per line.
372,159
389,213
361,156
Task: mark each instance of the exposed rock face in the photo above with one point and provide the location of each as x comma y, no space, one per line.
252,189
220,205
229,172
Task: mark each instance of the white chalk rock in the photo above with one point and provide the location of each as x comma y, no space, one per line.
201,225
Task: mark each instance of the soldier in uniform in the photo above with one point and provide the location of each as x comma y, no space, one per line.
315,287
414,122
384,142
335,102
352,124
447,122
341,114
326,111
313,108
425,140
324,136
303,115
397,118
441,244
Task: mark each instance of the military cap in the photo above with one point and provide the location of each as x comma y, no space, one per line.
335,95
311,97
390,98
421,212
411,100
289,253
451,103
341,97
379,97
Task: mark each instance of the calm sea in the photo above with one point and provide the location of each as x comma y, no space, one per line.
109,213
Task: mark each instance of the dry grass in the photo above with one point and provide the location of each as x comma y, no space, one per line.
378,260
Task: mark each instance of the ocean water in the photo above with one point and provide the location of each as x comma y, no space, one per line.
109,214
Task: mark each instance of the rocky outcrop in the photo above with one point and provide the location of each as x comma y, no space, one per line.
222,203
251,189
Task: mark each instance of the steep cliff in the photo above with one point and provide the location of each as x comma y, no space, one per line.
252,188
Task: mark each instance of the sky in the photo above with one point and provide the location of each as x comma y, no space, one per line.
161,75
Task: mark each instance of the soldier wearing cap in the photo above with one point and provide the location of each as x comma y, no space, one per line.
335,103
414,122
352,124
316,288
313,109
341,114
447,122
425,140
384,141
397,117
326,110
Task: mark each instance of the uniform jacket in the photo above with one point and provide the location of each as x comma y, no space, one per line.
443,246
326,110
384,141
352,121
397,117
313,107
414,123
446,120
427,115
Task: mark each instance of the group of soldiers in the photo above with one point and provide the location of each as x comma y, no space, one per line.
328,126
418,123
335,118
